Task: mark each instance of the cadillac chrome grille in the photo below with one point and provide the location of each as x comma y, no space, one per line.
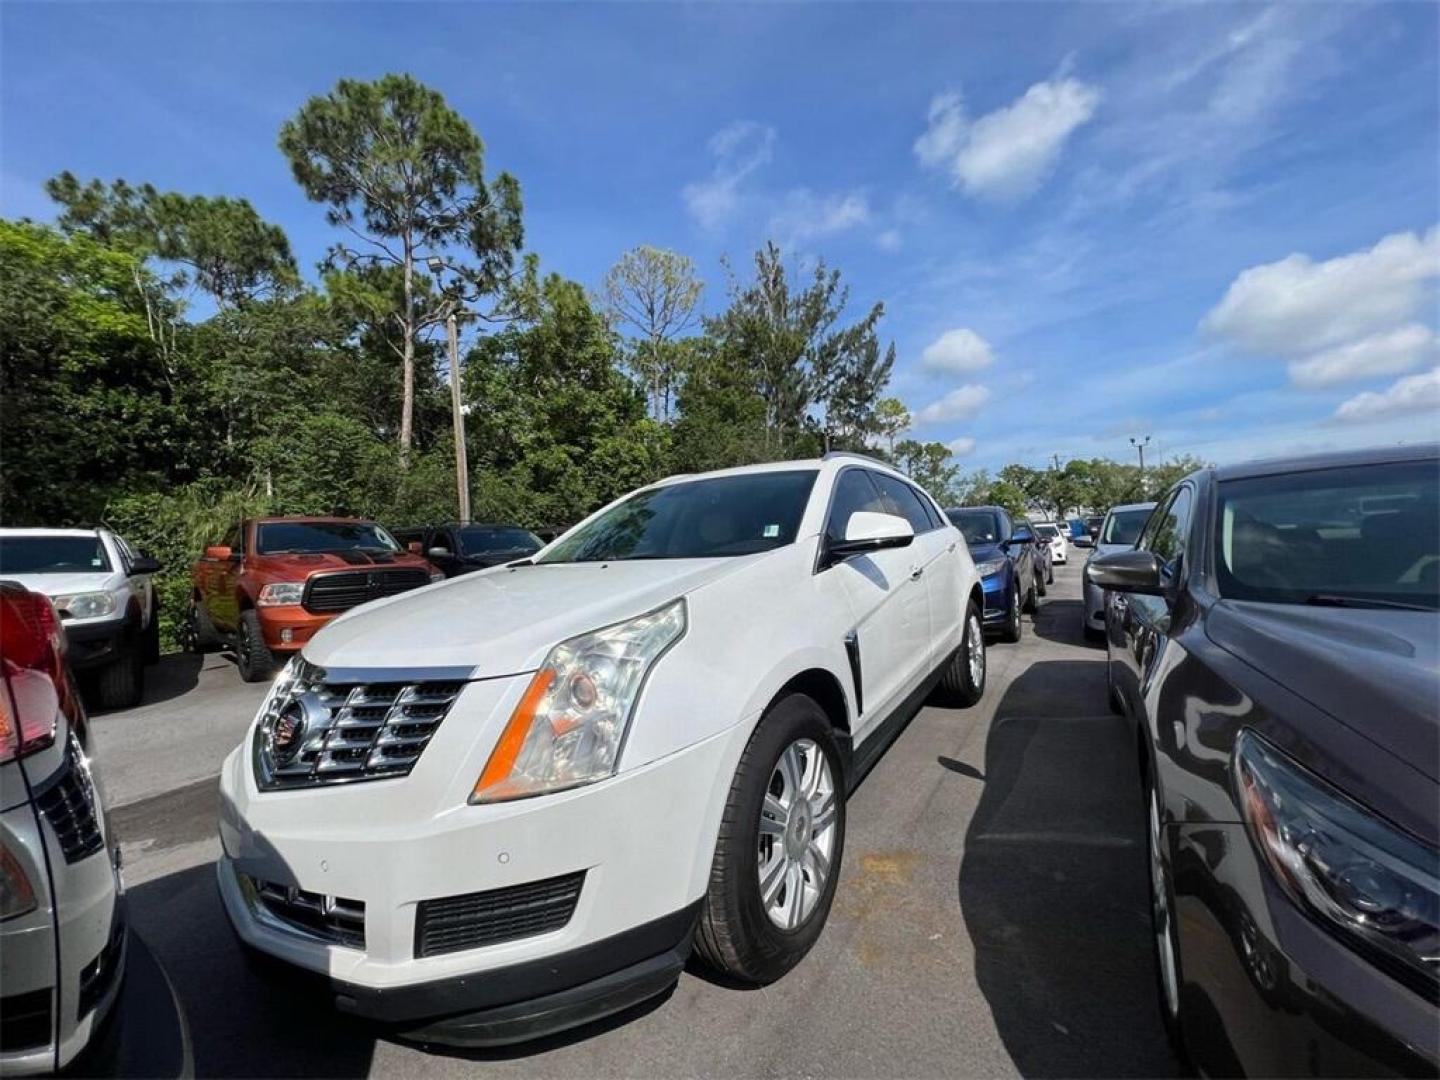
68,802
314,731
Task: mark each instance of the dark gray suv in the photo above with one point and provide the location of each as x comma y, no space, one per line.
1275,636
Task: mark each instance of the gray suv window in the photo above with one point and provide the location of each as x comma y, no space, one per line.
854,492
900,498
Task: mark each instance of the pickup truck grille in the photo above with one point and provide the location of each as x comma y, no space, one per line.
326,594
314,731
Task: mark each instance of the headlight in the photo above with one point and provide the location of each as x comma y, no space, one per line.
87,605
282,592
1374,885
990,566
571,721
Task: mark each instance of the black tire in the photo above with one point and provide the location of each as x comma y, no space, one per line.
1013,628
152,633
735,936
1162,922
1050,573
1030,600
1093,634
1039,585
121,685
958,687
199,632
255,661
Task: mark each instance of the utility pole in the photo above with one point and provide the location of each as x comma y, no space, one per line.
452,334
1140,445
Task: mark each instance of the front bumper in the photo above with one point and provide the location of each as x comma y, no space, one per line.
288,627
96,642
1270,992
996,588
643,841
1094,607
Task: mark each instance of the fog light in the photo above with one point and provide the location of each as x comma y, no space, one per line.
287,635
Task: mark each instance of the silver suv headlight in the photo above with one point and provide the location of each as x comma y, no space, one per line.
87,605
1352,870
571,722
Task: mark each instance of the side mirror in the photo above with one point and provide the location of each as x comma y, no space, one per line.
145,564
439,553
1127,572
218,552
868,531
414,547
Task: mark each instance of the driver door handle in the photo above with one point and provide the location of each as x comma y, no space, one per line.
915,572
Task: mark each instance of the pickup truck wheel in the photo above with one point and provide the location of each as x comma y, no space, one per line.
199,632
777,857
963,683
121,685
255,661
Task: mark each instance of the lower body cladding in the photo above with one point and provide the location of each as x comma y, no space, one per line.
62,963
1268,991
486,924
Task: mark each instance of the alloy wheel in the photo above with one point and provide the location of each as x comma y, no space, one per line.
1162,916
975,649
796,837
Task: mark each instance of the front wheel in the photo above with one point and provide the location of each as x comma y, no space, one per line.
122,684
1162,922
252,657
777,857
1012,628
963,683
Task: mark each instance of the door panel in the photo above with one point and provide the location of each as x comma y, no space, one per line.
891,606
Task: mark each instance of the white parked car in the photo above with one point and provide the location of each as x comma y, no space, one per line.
1058,537
509,803
62,929
105,597
1119,530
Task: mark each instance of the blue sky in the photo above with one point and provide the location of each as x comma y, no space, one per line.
1212,224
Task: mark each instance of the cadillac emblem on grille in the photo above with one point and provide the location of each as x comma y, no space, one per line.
316,731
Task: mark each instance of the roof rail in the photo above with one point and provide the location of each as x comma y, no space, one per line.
830,455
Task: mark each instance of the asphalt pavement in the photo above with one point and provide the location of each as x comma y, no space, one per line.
991,917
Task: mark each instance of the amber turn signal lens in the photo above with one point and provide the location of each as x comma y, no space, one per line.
502,758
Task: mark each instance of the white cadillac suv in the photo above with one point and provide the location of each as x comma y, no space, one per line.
511,802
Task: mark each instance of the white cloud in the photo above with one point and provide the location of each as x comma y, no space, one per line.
889,240
803,215
965,444
962,402
1412,394
957,351
1386,353
739,149
1297,305
1009,152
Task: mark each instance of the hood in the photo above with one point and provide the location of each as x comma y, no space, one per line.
67,584
503,621
1373,670
300,564
981,552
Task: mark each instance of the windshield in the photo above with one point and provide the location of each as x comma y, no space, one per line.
280,537
1368,533
977,526
483,541
725,515
1049,532
1123,526
52,555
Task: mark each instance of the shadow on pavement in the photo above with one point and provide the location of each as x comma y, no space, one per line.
240,1023
1053,883
1062,621
175,675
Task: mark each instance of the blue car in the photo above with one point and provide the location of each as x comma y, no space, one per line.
1004,554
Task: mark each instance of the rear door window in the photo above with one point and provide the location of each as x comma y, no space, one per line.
900,499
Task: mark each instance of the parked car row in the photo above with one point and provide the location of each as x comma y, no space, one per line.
1273,634
589,762
1015,561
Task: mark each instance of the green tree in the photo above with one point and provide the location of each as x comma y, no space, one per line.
403,174
892,419
931,466
657,293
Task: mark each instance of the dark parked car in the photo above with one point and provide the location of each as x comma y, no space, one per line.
1005,557
1275,636
458,549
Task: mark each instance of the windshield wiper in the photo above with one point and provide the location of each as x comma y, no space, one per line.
1334,600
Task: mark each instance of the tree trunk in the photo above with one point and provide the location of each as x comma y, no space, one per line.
407,326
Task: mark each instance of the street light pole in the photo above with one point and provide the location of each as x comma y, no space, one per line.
1140,445
462,464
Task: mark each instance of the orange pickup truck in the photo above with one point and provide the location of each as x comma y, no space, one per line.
272,582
